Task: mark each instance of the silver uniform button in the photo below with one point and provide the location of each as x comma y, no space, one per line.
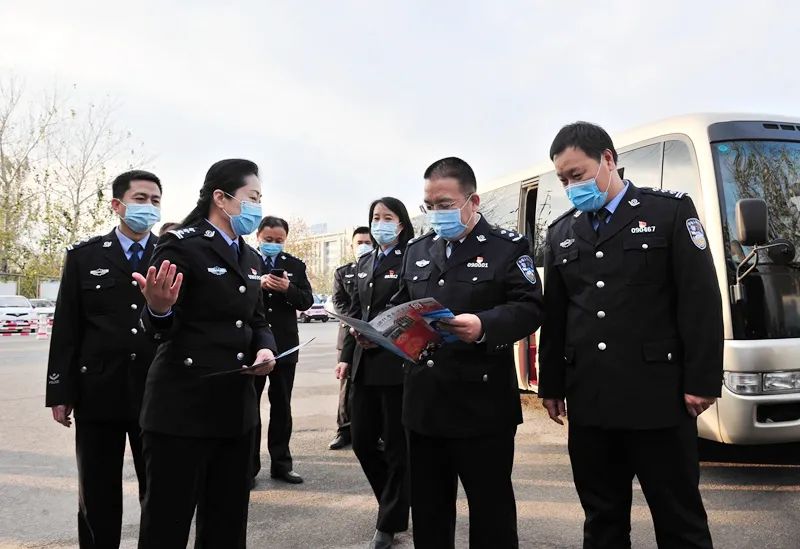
600,284
239,323
134,306
97,287
599,255
134,331
441,283
564,260
485,377
269,310
368,307
188,362
669,356
474,278
83,369
601,346
645,246
416,277
371,284
242,289
601,314
134,283
133,356
429,364
240,356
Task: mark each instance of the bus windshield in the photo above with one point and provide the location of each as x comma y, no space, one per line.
769,170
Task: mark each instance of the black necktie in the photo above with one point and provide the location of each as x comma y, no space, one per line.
270,263
602,216
453,246
135,259
378,260
235,251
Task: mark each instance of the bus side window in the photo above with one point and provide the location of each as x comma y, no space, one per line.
550,202
642,165
680,169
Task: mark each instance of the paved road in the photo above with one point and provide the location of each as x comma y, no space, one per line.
751,504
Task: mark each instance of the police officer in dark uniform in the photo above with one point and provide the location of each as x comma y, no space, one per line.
344,285
99,358
205,307
376,374
286,290
633,341
461,407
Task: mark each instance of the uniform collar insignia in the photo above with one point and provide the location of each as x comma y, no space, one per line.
398,252
98,272
436,237
567,243
209,234
107,244
423,263
480,238
634,202
577,214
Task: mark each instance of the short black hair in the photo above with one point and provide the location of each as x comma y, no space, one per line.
168,226
271,221
122,182
455,168
588,137
360,230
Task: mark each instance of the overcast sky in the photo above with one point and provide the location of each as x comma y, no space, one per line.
342,102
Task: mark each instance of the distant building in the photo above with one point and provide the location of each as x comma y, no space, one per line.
319,228
322,253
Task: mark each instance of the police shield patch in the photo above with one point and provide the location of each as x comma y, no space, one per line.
525,264
696,233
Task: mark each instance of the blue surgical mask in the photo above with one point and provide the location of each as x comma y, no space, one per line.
384,232
248,218
363,249
586,196
447,223
141,217
270,249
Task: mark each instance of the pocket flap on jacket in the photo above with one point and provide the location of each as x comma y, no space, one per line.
666,350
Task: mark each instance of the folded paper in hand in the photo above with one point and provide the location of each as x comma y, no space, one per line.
408,330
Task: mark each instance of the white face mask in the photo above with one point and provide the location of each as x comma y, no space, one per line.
363,249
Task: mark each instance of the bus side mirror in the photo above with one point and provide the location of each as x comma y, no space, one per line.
751,221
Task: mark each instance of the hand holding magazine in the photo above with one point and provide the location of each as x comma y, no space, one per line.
408,330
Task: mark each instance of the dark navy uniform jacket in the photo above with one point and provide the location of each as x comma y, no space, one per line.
344,285
375,286
98,355
470,389
217,325
634,316
280,309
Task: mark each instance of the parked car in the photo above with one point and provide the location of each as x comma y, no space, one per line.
16,315
44,307
315,312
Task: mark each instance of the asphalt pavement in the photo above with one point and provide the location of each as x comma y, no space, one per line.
752,496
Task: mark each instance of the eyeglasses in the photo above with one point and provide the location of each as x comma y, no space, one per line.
425,208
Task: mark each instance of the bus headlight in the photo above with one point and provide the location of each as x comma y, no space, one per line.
779,382
743,384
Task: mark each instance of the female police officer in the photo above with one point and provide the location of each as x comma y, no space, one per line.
377,375
204,305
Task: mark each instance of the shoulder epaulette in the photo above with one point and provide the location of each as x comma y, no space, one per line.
572,211
677,195
420,238
287,255
82,243
188,232
507,234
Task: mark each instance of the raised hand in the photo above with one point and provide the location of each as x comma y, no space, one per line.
160,288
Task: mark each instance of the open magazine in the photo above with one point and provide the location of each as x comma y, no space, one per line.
408,330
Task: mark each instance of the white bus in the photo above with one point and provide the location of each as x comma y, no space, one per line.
718,159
